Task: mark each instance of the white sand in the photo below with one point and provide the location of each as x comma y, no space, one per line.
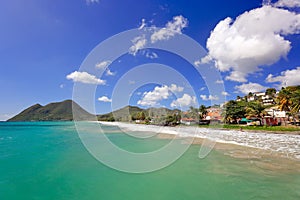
286,144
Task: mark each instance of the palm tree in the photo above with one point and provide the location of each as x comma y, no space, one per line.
202,111
287,100
284,100
295,99
271,92
255,109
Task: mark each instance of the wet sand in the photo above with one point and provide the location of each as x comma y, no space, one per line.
266,151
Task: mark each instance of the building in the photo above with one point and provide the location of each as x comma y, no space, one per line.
214,113
265,99
188,121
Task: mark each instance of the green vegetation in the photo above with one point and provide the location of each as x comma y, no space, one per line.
159,116
234,110
60,111
253,128
288,99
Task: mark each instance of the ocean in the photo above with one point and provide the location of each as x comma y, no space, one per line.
47,160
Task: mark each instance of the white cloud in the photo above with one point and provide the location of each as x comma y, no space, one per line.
104,99
151,55
110,73
286,78
225,93
287,3
171,29
219,82
184,101
103,64
159,93
143,24
152,98
203,88
175,89
197,63
203,60
61,86
209,98
255,39
250,87
138,44
92,1
84,77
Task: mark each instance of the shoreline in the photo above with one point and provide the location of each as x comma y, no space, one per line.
278,144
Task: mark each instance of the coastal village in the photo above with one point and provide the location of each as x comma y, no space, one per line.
268,108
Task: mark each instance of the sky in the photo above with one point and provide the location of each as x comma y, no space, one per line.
147,53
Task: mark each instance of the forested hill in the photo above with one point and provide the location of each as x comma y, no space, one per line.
59,111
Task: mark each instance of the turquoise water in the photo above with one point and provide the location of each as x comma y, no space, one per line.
46,160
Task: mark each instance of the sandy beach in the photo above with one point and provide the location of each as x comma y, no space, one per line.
239,144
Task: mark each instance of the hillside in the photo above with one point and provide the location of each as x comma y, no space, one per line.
123,114
130,112
59,111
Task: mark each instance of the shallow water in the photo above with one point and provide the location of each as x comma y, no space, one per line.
46,160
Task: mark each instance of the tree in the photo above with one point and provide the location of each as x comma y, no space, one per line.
288,100
284,99
295,99
141,116
234,110
255,109
271,92
193,112
202,111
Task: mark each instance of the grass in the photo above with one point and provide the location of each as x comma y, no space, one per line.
255,128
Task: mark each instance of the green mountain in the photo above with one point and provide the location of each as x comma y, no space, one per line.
128,113
59,111
123,114
63,111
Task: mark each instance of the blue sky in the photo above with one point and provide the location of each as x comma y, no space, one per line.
44,43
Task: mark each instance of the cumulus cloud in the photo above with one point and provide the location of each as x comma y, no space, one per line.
171,29
84,77
184,101
159,93
110,73
287,3
174,88
151,55
219,82
225,93
250,87
209,98
286,78
103,64
255,39
138,43
104,99
197,63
